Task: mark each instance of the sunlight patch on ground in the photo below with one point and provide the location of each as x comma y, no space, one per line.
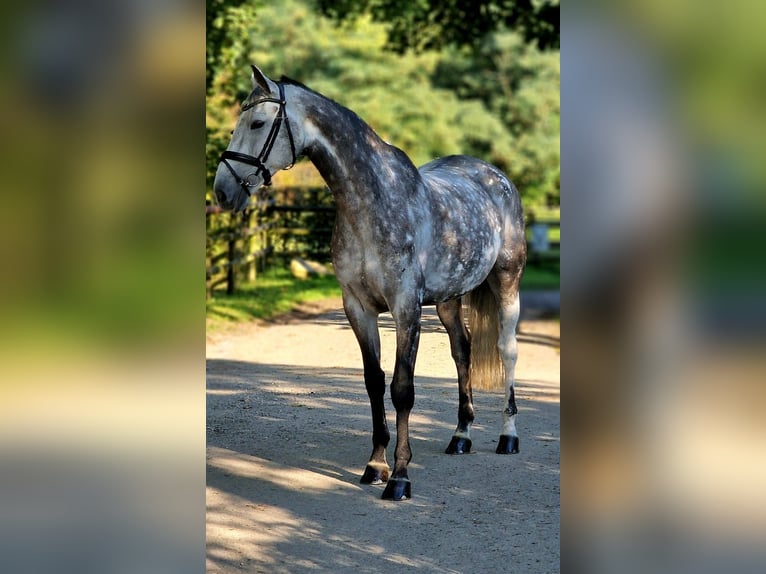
249,529
256,468
223,392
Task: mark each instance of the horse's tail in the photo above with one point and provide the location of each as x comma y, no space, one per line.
487,372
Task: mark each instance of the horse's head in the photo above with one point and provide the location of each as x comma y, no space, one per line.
262,143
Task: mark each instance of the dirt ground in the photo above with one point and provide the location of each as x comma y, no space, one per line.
289,433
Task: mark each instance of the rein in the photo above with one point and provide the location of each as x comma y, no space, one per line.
259,162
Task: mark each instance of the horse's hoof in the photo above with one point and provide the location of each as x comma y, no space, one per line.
374,475
459,445
507,444
397,489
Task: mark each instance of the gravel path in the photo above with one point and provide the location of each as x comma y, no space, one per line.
289,433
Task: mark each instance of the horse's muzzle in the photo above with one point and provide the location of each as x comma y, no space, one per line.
220,198
237,202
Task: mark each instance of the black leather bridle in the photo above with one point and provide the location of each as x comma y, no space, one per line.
259,162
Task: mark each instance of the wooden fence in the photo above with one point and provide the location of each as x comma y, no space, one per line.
294,221
298,222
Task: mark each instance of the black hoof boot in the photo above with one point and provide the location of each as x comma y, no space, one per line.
374,475
507,444
459,445
397,489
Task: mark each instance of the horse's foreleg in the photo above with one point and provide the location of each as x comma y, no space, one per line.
451,316
365,327
407,320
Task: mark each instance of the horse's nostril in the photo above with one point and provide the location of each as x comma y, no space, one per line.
220,196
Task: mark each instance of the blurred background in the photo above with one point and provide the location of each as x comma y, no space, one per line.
101,339
662,156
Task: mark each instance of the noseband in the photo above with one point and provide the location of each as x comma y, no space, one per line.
259,162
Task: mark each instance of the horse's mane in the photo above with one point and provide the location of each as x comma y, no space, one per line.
349,113
286,80
290,81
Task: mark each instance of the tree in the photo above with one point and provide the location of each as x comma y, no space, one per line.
520,86
217,35
434,24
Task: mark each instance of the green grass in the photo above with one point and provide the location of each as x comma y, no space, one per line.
542,276
276,291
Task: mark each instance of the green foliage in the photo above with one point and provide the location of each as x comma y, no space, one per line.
216,34
434,24
499,102
520,86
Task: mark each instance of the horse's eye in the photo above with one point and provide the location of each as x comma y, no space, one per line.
256,124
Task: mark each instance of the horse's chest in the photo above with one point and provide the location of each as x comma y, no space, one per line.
374,257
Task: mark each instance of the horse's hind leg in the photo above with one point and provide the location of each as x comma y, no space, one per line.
505,285
451,316
365,327
509,317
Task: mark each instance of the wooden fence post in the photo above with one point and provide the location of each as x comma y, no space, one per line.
250,223
208,280
230,271
208,258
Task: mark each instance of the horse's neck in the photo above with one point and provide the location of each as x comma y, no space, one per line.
355,163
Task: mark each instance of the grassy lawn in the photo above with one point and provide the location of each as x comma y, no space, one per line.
543,276
277,292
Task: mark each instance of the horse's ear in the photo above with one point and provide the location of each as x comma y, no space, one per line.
260,79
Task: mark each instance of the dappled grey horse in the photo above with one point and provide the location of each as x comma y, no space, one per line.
404,237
